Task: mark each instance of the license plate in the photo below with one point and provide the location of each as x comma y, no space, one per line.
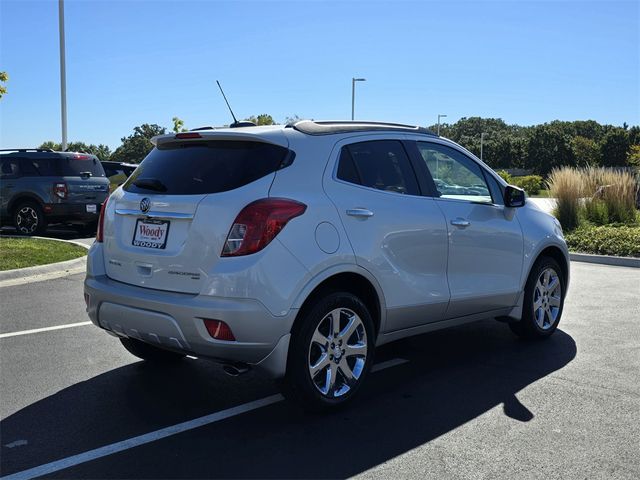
92,208
151,233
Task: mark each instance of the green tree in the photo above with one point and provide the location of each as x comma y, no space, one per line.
3,79
549,147
178,125
262,119
633,158
135,147
586,151
615,148
103,152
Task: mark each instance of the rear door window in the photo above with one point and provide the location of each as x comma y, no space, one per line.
205,167
380,164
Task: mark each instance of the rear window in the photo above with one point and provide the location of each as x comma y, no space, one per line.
75,166
202,168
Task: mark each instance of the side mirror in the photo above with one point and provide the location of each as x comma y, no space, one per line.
513,197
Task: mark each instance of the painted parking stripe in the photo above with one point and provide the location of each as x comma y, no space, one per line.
133,442
45,329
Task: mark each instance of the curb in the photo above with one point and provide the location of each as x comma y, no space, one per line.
43,272
605,260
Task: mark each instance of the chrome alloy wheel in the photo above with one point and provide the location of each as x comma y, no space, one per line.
27,219
547,298
338,352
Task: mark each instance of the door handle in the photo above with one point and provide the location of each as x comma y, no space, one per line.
460,222
359,212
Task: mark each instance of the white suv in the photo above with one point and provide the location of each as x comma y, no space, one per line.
298,249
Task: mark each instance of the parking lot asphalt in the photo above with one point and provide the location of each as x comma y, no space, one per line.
470,402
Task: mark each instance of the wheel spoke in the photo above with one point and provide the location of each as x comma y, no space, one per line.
347,373
330,380
546,278
539,314
350,328
554,301
537,304
334,323
319,339
359,349
555,282
320,364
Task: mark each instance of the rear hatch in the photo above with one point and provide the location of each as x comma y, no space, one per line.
85,179
172,216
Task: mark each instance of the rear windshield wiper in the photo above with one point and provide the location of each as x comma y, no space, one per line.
86,174
150,184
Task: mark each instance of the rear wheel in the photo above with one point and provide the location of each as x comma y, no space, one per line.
543,302
148,352
331,352
28,219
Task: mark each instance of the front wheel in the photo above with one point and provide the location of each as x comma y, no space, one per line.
29,219
543,301
148,352
331,352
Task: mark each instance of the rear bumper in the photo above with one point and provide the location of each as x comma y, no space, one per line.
71,212
175,321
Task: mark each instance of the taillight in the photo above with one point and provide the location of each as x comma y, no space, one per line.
219,330
188,135
100,233
258,223
60,189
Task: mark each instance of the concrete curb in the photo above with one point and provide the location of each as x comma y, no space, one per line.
51,270
605,260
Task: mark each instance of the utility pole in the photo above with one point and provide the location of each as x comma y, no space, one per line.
353,95
63,76
439,117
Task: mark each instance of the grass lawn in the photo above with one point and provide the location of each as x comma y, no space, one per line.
27,252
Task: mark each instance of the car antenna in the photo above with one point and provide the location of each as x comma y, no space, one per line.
235,123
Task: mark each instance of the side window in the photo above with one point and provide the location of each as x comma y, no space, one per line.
27,168
454,175
46,167
379,164
9,168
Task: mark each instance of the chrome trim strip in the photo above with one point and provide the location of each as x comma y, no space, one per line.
138,213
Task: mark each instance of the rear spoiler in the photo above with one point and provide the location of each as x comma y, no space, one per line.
272,136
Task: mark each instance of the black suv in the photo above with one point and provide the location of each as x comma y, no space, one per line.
40,187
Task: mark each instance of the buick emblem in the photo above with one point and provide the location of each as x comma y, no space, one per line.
145,205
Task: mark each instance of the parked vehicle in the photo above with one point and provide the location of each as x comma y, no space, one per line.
39,187
117,172
299,249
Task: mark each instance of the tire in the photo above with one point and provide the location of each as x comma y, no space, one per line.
150,353
28,219
325,370
543,306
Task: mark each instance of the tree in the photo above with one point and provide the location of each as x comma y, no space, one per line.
262,119
634,156
178,125
549,147
586,151
3,78
615,148
103,152
135,147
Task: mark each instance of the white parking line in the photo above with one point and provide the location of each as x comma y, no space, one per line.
45,329
133,442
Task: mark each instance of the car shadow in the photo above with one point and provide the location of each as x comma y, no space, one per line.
451,377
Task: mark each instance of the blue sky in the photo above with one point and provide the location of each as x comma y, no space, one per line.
139,62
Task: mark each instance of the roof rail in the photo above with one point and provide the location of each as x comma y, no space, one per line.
311,127
26,150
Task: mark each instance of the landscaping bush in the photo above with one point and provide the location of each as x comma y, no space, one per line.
566,185
506,176
596,211
529,183
617,189
620,240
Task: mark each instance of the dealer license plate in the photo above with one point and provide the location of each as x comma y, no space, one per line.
151,233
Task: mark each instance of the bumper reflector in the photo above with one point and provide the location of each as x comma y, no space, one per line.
219,330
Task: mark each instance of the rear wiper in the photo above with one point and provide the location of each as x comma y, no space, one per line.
150,184
86,174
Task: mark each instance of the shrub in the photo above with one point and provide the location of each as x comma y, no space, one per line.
606,240
617,189
566,185
596,211
529,183
506,176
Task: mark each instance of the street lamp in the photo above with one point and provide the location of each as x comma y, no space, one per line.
63,76
481,143
353,94
440,115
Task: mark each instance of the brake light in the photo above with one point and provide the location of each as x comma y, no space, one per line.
188,135
219,330
60,189
100,233
258,223
81,156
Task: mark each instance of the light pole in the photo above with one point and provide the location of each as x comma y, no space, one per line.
440,115
63,76
481,143
353,94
